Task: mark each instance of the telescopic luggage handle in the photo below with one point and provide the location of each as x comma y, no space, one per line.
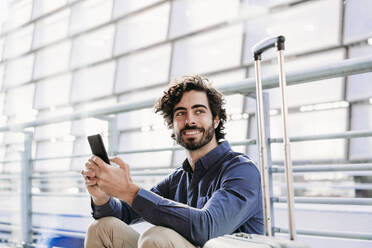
266,44
258,49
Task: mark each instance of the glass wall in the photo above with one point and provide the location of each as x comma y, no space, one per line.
63,56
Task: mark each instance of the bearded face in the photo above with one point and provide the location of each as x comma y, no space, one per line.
193,123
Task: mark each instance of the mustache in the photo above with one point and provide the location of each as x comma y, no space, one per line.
192,128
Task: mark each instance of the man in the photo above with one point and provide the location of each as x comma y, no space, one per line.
215,192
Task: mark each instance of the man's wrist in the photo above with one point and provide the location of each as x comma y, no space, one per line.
100,201
129,197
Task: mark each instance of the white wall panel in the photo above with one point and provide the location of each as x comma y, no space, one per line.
191,15
358,20
208,51
93,82
52,60
88,14
19,42
42,7
52,91
52,28
143,69
142,30
304,30
124,7
13,76
92,47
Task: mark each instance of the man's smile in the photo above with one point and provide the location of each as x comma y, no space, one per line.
191,132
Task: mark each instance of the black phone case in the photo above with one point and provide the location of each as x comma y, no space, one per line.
98,148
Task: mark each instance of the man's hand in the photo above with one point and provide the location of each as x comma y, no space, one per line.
115,181
99,196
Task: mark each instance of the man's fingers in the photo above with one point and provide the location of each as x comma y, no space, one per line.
90,182
88,173
120,162
98,161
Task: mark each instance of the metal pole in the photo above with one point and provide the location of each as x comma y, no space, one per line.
266,110
113,136
288,161
262,151
26,190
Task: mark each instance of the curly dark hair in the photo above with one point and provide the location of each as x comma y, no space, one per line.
172,96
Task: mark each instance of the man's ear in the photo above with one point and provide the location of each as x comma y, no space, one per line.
216,121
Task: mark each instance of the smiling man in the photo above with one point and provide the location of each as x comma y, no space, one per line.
216,191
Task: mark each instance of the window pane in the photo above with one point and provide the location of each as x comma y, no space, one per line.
1,50
360,148
12,138
142,95
92,47
136,119
227,78
61,205
307,93
358,20
43,65
359,86
145,140
143,29
88,127
93,82
149,159
2,115
1,75
188,16
268,3
18,42
234,103
125,7
88,14
19,13
52,131
90,105
42,7
311,123
49,149
52,92
143,69
51,28
307,33
23,108
207,52
12,71
236,130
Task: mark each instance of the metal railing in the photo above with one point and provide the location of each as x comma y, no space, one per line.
246,87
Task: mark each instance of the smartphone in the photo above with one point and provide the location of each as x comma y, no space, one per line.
98,148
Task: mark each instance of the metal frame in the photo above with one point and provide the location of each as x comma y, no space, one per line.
348,67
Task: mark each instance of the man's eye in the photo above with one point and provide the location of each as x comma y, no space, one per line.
199,111
179,113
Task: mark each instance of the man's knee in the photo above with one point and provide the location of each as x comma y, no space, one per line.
155,237
110,232
159,236
104,224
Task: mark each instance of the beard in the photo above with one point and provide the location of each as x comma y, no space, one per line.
193,144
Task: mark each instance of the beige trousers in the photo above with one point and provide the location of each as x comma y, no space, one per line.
111,232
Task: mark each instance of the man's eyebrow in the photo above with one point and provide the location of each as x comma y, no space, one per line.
199,106
193,107
178,108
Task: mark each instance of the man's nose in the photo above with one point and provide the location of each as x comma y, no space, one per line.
190,119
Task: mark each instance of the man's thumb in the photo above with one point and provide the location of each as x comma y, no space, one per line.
120,162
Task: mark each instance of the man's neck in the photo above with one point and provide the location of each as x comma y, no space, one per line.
194,156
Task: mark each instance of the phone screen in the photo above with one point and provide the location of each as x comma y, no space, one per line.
98,148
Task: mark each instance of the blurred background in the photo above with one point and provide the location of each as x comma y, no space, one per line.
69,69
